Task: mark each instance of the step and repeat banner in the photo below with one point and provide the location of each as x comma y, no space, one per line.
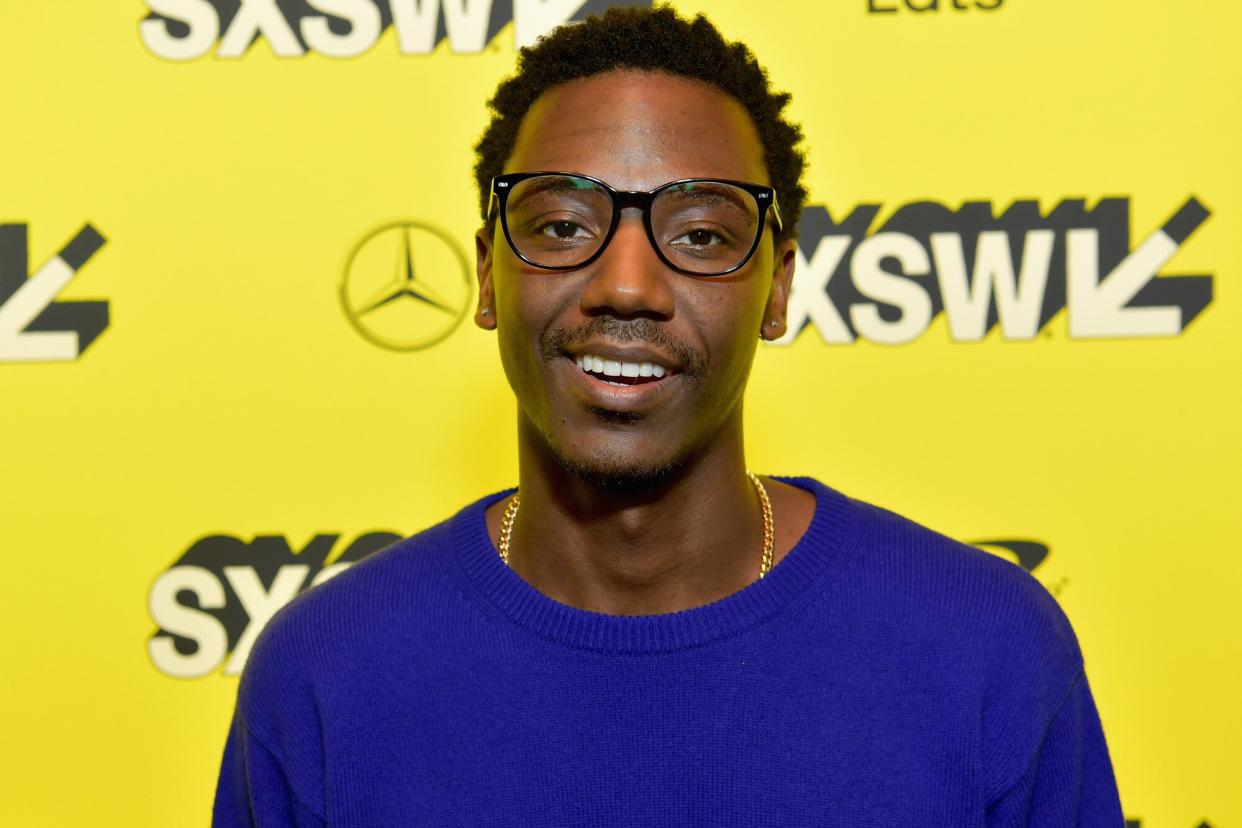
236,271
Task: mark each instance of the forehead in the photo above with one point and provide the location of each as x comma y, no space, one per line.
637,130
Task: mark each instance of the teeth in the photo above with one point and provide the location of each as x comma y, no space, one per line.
616,368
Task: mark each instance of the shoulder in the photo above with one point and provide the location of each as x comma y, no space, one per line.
992,624
330,630
997,621
371,587
986,596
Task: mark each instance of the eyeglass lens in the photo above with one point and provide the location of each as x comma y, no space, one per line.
703,227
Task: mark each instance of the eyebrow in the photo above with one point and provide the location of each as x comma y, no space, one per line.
704,191
556,184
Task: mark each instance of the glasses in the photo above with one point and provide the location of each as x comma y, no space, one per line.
698,226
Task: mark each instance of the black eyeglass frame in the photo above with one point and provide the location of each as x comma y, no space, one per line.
764,196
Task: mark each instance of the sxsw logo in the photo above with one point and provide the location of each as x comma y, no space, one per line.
1016,270
34,327
212,603
188,29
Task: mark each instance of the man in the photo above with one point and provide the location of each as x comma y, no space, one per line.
643,633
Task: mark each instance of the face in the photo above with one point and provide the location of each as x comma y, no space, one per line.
634,131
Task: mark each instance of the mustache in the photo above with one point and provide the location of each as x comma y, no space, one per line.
555,341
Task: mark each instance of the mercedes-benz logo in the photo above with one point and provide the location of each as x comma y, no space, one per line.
405,286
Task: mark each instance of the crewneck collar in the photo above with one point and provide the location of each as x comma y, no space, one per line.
821,552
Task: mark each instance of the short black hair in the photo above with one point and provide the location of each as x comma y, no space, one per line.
655,40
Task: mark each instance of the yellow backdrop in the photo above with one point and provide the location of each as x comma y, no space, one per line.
207,404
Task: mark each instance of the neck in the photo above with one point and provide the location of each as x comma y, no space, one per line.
694,538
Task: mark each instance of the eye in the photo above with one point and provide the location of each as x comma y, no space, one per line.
700,237
563,230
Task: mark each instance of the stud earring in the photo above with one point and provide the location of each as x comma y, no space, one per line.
485,311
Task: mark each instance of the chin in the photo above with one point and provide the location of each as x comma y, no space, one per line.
620,471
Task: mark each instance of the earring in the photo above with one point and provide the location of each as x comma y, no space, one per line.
485,312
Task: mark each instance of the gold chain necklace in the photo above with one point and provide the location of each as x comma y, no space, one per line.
765,505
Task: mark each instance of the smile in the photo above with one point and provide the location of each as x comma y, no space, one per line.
616,372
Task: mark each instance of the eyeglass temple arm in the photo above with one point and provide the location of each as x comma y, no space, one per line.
776,211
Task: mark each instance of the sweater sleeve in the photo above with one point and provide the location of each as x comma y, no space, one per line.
1069,780
253,789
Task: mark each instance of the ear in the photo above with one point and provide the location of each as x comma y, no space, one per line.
774,320
484,244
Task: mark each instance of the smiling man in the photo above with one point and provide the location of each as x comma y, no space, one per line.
644,632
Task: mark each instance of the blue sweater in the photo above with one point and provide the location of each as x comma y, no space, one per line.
880,675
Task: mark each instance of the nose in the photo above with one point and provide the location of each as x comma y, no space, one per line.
628,279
